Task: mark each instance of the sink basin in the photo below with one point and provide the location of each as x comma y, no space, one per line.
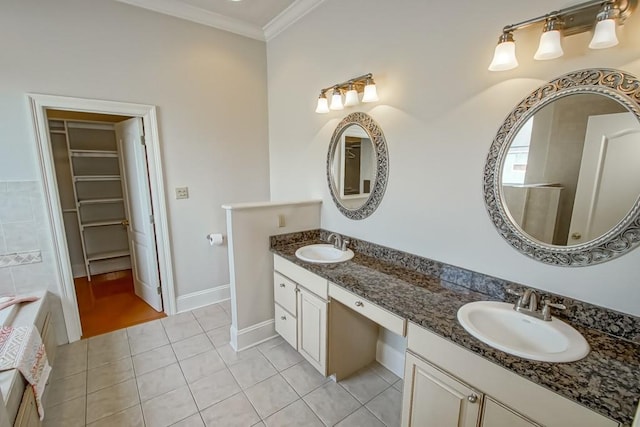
323,254
500,326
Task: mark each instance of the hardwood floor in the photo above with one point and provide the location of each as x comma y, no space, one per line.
109,302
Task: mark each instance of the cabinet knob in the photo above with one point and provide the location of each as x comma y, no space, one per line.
473,398
359,304
283,317
282,285
576,236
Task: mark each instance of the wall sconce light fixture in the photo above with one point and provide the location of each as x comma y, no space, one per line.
565,22
350,88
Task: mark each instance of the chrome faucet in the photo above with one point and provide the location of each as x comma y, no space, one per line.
528,304
338,241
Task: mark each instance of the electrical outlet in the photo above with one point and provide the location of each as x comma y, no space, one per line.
281,221
182,192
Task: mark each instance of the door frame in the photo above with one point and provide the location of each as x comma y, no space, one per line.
39,104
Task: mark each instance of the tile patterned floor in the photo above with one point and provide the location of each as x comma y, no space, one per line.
181,371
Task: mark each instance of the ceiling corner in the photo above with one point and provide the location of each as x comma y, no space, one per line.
288,17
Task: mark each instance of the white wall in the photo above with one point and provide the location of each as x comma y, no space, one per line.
248,229
209,86
440,109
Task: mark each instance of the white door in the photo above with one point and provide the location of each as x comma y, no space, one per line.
435,399
142,239
609,180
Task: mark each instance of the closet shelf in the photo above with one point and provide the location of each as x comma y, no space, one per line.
69,210
86,178
102,223
93,153
107,255
63,132
97,201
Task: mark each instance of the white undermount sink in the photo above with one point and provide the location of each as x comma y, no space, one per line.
500,326
323,254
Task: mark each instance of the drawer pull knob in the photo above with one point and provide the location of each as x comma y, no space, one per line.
283,317
282,285
359,304
473,398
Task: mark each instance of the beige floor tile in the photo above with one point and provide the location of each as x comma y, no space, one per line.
70,359
68,414
213,320
277,340
226,306
160,381
331,403
192,346
194,420
259,424
236,411
399,385
169,408
361,418
108,348
220,337
282,356
131,417
214,388
207,310
181,326
111,400
303,377
105,341
364,385
147,336
153,359
252,371
386,374
67,388
109,374
271,395
387,407
231,357
202,365
297,414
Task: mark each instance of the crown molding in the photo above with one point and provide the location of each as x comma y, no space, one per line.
202,16
288,17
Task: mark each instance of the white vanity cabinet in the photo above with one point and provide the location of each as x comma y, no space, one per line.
301,311
447,385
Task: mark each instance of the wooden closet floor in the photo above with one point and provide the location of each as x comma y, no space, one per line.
108,303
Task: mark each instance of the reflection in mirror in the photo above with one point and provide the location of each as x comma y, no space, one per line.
354,166
572,170
357,166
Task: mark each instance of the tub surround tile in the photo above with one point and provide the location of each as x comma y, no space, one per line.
429,294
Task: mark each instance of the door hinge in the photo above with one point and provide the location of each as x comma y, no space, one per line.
151,219
159,290
143,141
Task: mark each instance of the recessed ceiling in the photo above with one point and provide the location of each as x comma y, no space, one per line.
258,19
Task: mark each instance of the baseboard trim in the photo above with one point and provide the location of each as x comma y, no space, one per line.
390,358
253,335
202,298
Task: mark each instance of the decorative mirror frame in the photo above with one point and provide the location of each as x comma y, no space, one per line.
625,236
382,164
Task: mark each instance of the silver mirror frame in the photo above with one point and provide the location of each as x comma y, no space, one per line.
625,236
382,165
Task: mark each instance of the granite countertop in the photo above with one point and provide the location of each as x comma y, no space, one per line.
607,381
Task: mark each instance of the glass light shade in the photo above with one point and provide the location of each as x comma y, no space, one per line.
550,46
336,101
370,93
604,35
351,98
323,105
504,57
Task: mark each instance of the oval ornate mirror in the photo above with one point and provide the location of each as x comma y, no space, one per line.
562,178
357,166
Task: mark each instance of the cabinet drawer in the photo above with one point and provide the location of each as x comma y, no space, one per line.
312,282
382,317
286,326
284,292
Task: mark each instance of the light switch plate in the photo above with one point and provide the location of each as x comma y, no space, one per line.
182,192
281,221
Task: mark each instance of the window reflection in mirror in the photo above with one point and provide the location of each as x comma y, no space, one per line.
572,171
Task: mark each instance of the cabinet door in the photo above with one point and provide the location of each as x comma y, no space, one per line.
495,414
312,329
28,413
436,399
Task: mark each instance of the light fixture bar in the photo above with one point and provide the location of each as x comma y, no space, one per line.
350,88
580,17
357,82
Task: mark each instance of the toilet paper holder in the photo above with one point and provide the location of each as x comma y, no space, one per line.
215,239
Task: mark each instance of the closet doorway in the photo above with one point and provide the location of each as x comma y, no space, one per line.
103,192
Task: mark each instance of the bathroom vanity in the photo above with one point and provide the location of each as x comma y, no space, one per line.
331,314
